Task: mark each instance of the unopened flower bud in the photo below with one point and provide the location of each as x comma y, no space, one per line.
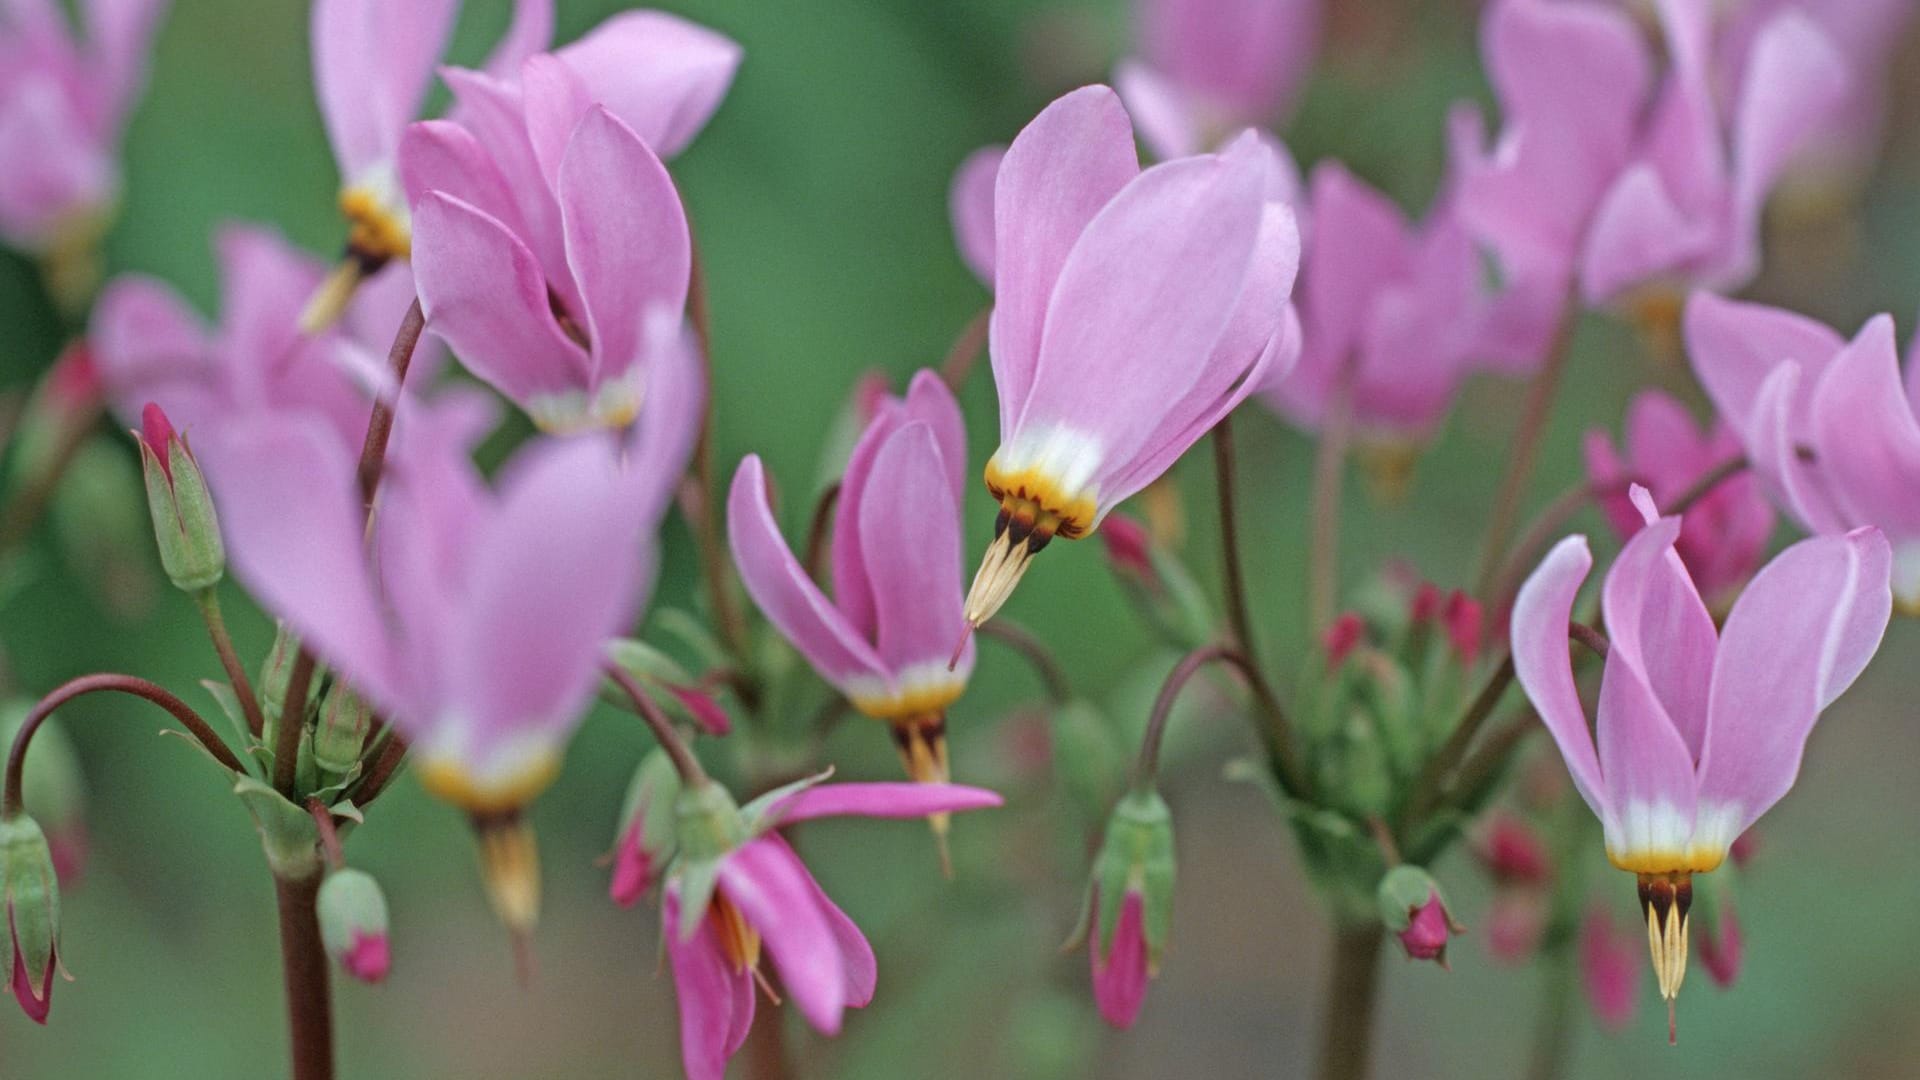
1610,959
1512,852
32,893
184,524
1130,904
1462,618
1157,583
353,924
685,698
274,674
1411,907
1426,604
1742,850
345,720
1127,546
646,839
52,789
1342,638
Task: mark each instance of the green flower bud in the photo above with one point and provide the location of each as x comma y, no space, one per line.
345,720
32,891
646,839
1137,856
184,524
353,924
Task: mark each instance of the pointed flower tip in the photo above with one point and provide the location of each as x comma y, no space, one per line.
75,381
157,432
368,959
35,1003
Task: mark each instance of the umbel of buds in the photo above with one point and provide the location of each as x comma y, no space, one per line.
184,524
353,924
32,892
1411,907
1129,909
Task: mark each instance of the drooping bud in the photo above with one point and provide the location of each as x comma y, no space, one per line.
1127,547
1743,849
1412,909
684,697
646,837
184,524
345,720
32,891
52,789
1426,603
1717,929
1462,618
274,674
1341,638
353,924
1609,969
1129,910
1512,852
1157,583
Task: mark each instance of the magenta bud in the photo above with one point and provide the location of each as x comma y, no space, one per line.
1743,849
871,391
634,871
1512,852
1610,960
1425,937
157,432
1129,549
368,958
74,383
1411,907
703,707
1462,618
353,924
1120,971
1342,638
31,894
1427,601
647,836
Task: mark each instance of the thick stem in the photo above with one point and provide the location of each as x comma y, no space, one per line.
964,354
1329,471
1240,620
385,767
373,451
684,763
1553,1025
209,600
303,962
1521,453
1148,764
293,723
329,835
1353,986
10,805
1035,653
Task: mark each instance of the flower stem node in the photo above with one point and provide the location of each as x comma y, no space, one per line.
1412,908
184,524
353,924
32,891
1129,908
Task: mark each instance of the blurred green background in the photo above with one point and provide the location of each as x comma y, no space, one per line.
819,195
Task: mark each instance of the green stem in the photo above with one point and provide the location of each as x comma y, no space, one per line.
1553,1026
209,601
1329,473
1521,453
684,763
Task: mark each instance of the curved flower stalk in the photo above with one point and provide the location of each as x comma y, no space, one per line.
1724,534
548,233
1132,311
1826,423
886,637
475,620
1698,732
1204,69
150,346
1390,314
1686,209
64,100
736,888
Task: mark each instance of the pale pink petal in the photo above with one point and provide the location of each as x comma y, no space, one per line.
265,282
1638,233
783,592
493,111
146,343
1644,763
910,538
670,414
627,238
1067,164
1545,666
852,589
1796,639
442,156
970,205
1775,444
53,168
553,101
1734,346
484,295
120,37
1161,111
660,74
931,402
862,972
1120,973
1658,626
716,1002
372,61
1609,473
880,799
766,881
1248,57
531,31
1865,435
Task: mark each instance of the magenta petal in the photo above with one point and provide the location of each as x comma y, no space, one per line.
766,881
862,971
1610,965
372,61
36,1004
1795,640
1545,667
970,204
910,539
442,156
531,31
368,959
886,799
930,402
662,75
1638,233
716,1002
1795,83
1120,976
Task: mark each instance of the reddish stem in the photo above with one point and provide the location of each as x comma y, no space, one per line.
303,961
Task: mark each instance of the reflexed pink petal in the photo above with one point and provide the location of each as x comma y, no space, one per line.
1247,57
440,155
1865,433
372,61
766,881
120,34
930,402
1779,432
910,540
970,205
1166,119
1657,624
1067,164
781,589
1120,975
1795,640
883,799
716,1002
852,589
660,74
53,167
862,971
531,31
670,414
1734,346
1545,667
553,102
265,282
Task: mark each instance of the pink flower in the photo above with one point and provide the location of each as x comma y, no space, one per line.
1120,966
886,637
1512,852
149,346
1687,206
970,203
477,623
1724,535
1826,423
1427,931
721,910
1699,732
1389,313
1204,69
1608,970
1132,310
64,99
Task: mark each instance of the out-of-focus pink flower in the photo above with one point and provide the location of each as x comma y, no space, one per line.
1129,548
1512,852
757,895
1389,314
1699,732
1743,849
1201,70
1826,423
1463,619
1120,968
1609,968
1721,944
149,346
1342,637
1686,209
1723,537
64,99
970,204
886,637
1516,920
1131,311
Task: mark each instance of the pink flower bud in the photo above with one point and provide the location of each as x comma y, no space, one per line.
1610,961
1512,852
157,432
74,384
634,871
1462,618
1721,944
368,958
1120,971
1128,548
1425,937
703,708
1342,638
1743,849
870,392
1426,603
